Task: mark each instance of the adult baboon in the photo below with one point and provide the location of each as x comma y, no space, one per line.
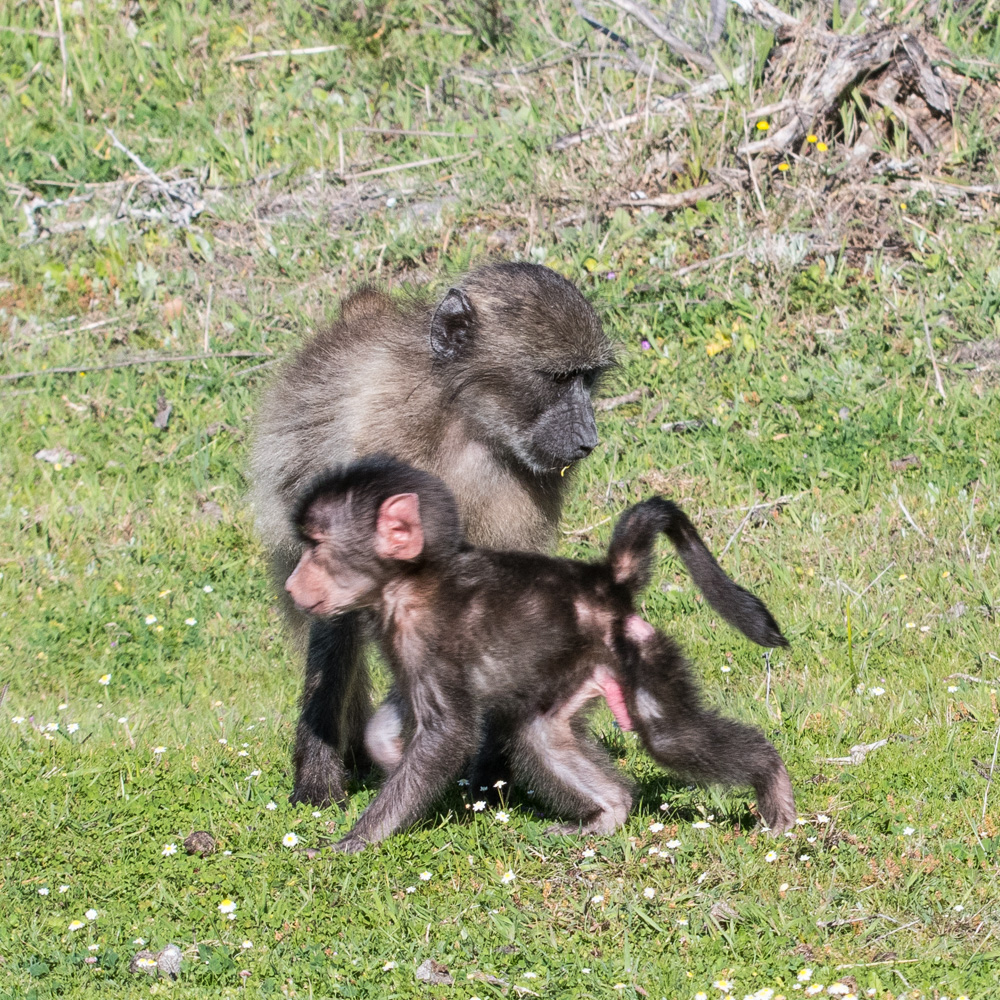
490,389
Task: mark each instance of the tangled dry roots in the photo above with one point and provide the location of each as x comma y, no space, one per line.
907,79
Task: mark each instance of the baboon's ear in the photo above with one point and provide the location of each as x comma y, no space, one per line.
398,531
452,325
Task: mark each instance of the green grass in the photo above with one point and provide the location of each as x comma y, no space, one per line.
807,361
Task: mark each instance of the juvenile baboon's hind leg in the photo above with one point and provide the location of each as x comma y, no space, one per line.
701,744
571,773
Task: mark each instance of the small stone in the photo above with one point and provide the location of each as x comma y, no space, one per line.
723,913
168,962
57,456
434,973
200,843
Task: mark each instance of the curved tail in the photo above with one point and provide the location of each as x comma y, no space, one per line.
630,556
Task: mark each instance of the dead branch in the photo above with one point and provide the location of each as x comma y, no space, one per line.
844,61
910,78
767,14
675,43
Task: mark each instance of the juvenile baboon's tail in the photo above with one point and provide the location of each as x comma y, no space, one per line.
631,557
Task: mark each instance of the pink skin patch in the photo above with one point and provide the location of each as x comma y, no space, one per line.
612,692
638,630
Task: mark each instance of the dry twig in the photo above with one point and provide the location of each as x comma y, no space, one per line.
678,199
909,518
313,50
64,85
930,349
155,359
615,401
413,165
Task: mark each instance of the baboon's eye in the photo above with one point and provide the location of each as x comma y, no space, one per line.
564,378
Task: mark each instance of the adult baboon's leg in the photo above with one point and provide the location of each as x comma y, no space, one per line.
336,705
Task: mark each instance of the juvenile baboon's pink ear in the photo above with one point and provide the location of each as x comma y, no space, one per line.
398,531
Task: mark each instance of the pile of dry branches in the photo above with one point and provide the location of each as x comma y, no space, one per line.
893,97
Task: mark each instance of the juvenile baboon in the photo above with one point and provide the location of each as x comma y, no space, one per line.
489,389
526,638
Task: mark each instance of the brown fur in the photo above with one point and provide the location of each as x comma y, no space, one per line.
558,634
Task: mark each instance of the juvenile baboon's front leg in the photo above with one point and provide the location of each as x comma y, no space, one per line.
442,741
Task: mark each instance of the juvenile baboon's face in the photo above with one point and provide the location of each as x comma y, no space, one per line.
324,583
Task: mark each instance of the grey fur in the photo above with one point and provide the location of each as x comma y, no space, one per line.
490,390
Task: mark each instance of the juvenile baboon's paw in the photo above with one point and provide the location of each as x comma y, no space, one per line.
564,830
350,845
